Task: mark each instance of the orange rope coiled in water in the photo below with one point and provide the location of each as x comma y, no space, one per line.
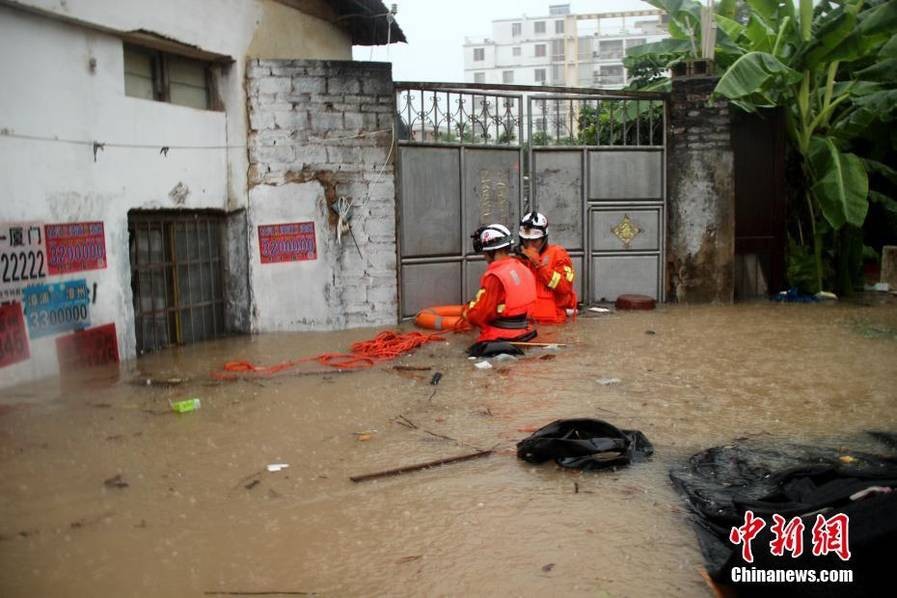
387,345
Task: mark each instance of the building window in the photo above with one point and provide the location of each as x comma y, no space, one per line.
540,75
479,77
516,29
176,277
539,27
507,76
558,26
540,50
515,50
557,74
163,77
479,54
557,49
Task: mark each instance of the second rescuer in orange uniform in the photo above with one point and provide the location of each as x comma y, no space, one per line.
553,269
503,305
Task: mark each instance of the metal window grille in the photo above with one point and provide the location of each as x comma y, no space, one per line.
176,277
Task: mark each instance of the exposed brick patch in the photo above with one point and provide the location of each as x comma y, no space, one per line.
324,121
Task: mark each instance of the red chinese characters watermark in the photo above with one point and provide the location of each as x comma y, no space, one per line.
745,534
828,536
788,537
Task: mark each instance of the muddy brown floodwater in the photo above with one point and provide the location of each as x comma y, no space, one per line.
193,510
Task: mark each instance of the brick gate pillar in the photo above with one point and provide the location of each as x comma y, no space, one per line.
701,194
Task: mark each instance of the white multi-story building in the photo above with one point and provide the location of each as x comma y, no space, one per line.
563,48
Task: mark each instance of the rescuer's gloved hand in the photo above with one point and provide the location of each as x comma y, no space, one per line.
532,255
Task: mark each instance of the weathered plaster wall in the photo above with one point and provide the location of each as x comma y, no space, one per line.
701,195
324,125
50,90
283,32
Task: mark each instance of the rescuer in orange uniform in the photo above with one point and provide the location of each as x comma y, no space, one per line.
503,305
552,267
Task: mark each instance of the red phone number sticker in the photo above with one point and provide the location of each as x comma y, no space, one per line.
87,348
292,242
75,247
13,338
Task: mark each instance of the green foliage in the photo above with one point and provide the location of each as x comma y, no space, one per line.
832,67
801,268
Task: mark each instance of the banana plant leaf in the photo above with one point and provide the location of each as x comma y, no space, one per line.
884,201
760,35
882,169
772,10
841,185
835,36
733,29
755,77
664,51
853,123
879,20
884,70
889,48
882,103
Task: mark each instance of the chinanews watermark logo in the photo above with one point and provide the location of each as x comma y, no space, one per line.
829,536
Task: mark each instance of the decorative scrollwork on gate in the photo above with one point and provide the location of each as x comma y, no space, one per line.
459,116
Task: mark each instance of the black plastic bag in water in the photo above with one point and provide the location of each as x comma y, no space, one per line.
584,444
720,484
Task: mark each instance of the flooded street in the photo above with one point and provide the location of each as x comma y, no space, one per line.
199,512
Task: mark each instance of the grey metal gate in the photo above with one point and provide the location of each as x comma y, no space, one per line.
460,162
470,155
598,171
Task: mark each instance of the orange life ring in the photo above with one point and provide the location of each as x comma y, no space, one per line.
441,317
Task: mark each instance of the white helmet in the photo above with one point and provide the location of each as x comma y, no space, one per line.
533,226
492,237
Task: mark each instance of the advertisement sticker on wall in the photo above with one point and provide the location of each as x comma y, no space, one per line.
292,242
75,247
22,257
55,308
13,338
87,348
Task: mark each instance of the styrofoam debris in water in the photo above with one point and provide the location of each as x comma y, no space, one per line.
504,357
552,348
483,365
274,467
608,381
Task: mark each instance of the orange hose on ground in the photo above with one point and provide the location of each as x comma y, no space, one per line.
387,345
441,317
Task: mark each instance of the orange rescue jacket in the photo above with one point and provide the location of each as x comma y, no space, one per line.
511,317
555,292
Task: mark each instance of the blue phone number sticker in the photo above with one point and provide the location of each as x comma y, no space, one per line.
55,308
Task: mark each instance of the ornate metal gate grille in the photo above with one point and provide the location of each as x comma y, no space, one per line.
470,154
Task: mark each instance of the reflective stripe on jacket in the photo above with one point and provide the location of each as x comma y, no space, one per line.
555,292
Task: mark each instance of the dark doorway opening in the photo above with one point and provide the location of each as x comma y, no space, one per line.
758,141
176,276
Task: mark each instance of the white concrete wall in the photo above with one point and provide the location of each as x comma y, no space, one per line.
50,90
291,295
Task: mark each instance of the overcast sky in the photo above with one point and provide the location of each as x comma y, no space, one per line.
436,29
